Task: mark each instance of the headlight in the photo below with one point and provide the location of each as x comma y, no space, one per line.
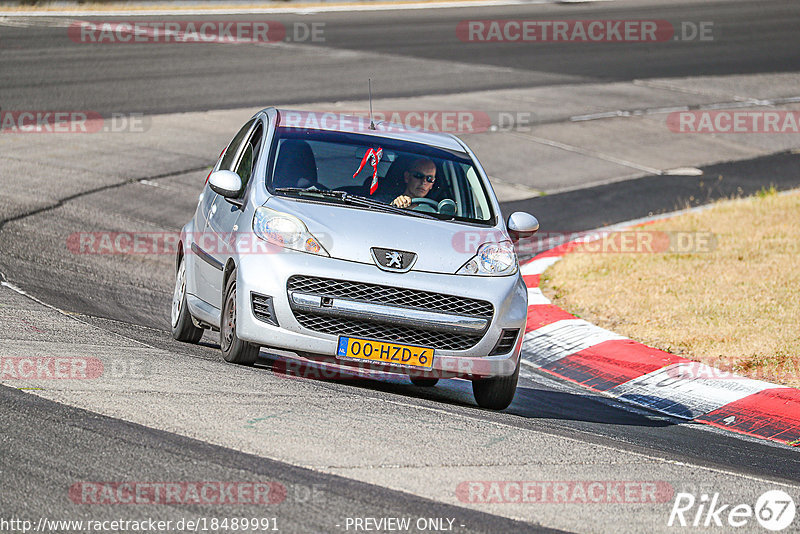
492,259
286,231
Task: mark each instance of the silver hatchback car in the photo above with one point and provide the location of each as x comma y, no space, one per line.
357,244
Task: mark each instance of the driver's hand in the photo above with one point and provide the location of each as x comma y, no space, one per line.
402,201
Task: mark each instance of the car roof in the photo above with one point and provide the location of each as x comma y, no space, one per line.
341,122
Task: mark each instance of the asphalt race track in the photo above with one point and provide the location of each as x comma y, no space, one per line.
340,449
42,65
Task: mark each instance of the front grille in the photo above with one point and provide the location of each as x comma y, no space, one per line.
393,296
398,334
506,342
389,296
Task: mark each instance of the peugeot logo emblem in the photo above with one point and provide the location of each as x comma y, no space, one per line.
398,261
394,259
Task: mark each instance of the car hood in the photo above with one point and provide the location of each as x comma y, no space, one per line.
348,233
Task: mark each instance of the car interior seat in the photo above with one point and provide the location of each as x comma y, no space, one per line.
392,185
439,189
296,165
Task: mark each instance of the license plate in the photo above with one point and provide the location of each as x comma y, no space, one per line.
354,348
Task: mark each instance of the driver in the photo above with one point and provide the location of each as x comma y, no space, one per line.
419,180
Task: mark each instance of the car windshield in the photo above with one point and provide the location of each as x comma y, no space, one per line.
439,182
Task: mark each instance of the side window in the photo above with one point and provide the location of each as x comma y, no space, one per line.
249,156
230,152
477,198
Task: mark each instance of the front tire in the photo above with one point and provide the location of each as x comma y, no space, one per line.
183,329
234,350
496,393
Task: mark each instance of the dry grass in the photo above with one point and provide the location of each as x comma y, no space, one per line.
736,308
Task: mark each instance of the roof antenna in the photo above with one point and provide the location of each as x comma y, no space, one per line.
371,122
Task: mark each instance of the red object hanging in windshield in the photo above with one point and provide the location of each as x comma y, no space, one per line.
374,157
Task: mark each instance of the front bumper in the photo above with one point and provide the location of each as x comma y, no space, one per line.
268,274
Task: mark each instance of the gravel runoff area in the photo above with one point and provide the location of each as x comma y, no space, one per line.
720,286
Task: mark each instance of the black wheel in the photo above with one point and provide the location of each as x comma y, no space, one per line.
424,381
183,329
496,393
234,350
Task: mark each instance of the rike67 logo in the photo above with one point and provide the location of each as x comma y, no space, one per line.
774,510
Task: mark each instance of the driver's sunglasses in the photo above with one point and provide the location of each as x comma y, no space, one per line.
427,177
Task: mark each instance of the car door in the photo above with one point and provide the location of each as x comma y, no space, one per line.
207,268
224,217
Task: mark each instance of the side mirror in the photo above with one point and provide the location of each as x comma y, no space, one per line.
226,183
522,225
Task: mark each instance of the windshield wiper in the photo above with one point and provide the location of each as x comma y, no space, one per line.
353,200
298,190
366,202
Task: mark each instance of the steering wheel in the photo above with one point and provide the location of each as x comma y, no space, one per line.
422,202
